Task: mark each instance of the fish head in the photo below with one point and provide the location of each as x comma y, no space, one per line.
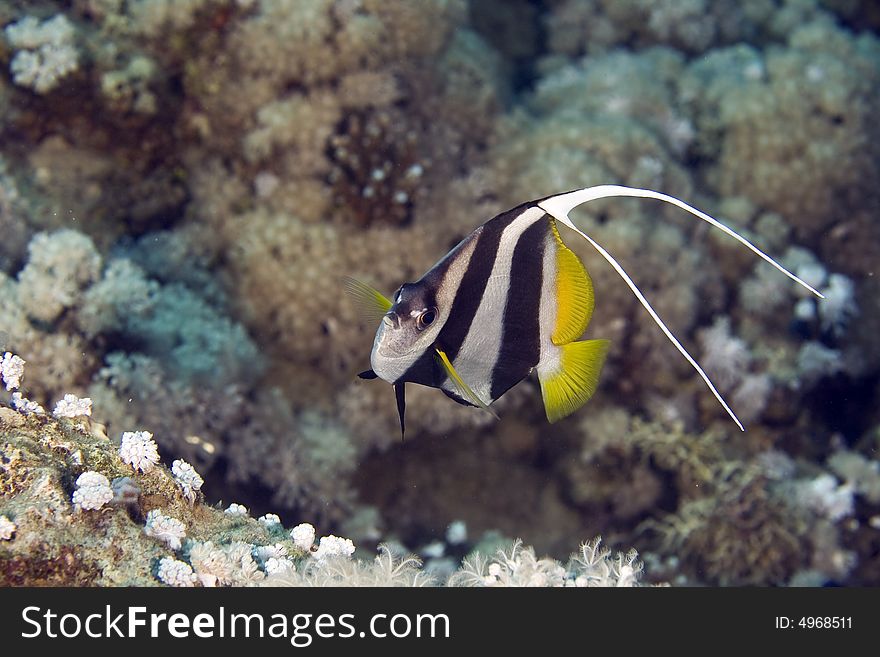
407,331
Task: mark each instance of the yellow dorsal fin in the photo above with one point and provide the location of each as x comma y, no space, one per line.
574,294
463,389
371,303
576,379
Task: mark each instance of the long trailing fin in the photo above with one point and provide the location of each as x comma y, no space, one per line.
371,303
559,206
464,390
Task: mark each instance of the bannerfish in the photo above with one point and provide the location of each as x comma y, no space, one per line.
509,299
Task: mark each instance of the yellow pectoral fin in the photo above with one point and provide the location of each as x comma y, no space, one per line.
574,294
371,303
577,378
463,389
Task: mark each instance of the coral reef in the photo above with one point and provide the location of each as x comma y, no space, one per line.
93,537
183,186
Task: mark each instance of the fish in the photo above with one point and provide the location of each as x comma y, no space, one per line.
508,300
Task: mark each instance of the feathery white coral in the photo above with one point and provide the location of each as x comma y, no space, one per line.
176,573
333,546
45,52
187,478
11,370
303,536
592,565
92,491
7,529
212,565
167,529
138,449
72,406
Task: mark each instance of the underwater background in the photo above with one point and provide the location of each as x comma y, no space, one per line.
183,185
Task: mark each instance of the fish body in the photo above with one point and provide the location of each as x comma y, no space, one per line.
509,299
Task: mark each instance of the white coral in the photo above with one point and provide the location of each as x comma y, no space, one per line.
826,497
333,546
11,370
176,573
7,529
73,406
138,449
187,478
46,52
25,405
60,266
303,536
839,305
725,357
92,491
237,510
269,520
165,528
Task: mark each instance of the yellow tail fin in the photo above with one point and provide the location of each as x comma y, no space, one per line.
572,385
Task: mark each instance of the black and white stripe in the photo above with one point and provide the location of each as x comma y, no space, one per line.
491,330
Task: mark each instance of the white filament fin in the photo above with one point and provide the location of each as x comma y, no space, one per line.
559,207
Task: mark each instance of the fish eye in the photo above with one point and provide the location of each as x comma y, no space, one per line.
426,319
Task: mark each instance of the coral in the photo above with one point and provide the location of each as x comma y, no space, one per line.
237,510
860,474
72,406
7,529
92,491
165,528
45,52
24,405
60,266
333,546
303,536
577,26
825,496
11,370
269,520
385,570
138,449
175,573
839,305
725,358
740,536
793,126
187,478
591,566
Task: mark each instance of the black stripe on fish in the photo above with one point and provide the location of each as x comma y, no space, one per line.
469,295
520,347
